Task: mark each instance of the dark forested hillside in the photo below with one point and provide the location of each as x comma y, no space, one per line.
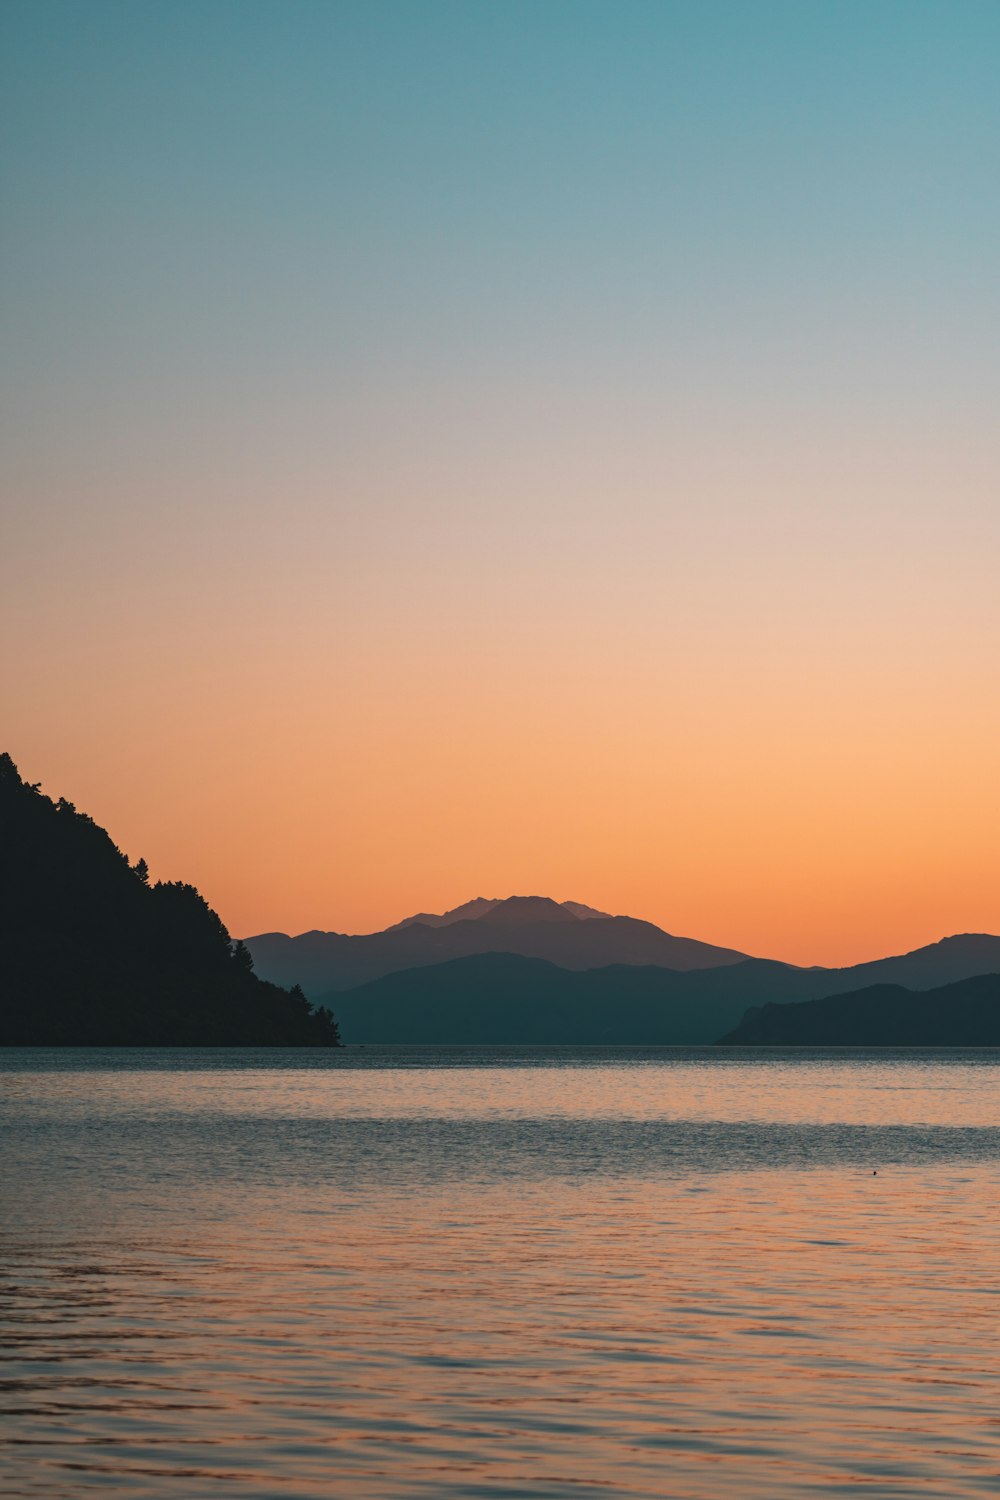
92,954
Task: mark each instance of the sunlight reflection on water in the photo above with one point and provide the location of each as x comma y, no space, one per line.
658,1276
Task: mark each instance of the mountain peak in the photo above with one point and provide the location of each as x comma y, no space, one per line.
504,910
518,909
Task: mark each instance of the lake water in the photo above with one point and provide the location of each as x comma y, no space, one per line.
692,1274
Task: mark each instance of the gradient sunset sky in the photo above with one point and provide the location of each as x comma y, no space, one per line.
458,449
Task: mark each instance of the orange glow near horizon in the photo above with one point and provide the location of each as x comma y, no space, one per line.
785,775
457,451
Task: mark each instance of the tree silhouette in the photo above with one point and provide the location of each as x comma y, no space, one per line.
92,954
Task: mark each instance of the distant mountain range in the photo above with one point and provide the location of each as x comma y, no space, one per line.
966,1014
532,970
567,933
494,998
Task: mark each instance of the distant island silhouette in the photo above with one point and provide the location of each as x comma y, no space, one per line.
92,954
966,1014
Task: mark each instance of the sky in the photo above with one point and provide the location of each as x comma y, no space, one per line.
459,449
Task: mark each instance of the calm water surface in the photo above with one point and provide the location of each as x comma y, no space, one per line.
543,1273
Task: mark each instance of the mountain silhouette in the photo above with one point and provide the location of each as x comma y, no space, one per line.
532,926
481,905
966,1014
501,997
585,913
518,910
469,910
91,954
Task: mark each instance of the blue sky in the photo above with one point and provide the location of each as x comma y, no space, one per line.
366,189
